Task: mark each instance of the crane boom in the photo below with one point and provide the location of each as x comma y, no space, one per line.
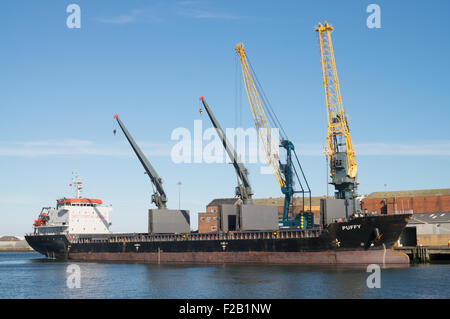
159,196
284,173
259,117
340,151
244,191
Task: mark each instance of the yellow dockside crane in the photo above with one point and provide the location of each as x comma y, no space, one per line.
285,173
340,151
259,117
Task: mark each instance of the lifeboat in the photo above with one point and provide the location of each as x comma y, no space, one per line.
42,220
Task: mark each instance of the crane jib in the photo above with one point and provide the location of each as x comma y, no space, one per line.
284,173
244,192
159,197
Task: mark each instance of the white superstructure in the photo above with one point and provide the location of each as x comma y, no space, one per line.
75,215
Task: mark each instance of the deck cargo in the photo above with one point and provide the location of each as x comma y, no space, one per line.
168,221
229,217
258,217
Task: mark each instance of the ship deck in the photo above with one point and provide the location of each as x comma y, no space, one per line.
146,237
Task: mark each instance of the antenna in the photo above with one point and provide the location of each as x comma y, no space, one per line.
78,183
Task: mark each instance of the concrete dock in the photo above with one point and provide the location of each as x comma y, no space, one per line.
425,254
10,243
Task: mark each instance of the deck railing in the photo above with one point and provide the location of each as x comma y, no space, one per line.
257,235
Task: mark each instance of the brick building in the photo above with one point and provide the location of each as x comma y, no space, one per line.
418,201
209,221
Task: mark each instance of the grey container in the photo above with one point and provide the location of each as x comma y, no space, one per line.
168,221
258,217
332,209
229,217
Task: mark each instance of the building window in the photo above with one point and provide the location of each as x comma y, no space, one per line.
213,210
215,218
202,218
209,219
213,228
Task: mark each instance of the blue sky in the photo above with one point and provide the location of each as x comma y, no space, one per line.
150,61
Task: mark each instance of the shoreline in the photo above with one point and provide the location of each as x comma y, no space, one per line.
16,249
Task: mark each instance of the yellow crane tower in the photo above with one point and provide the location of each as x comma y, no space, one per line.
340,151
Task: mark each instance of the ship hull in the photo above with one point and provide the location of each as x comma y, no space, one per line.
387,256
353,242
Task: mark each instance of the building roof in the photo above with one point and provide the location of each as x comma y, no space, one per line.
9,238
222,201
427,218
315,201
410,193
271,201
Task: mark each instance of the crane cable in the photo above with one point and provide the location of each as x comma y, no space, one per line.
256,94
259,117
272,115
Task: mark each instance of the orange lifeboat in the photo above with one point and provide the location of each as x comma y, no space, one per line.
43,218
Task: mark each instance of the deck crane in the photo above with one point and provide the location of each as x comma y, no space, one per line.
244,189
159,196
340,151
283,172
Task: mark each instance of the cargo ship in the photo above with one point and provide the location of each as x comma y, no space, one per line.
78,229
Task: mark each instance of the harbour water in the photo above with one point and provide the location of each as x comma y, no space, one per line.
29,275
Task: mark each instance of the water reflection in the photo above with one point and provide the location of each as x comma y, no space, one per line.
260,281
28,275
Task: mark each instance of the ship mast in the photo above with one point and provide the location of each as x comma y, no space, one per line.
78,183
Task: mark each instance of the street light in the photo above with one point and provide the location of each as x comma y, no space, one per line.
179,195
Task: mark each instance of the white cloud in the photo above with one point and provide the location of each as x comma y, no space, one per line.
86,147
161,12
147,15
118,19
420,149
205,14
78,147
440,148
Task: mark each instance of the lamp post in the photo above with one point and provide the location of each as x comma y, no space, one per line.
179,195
